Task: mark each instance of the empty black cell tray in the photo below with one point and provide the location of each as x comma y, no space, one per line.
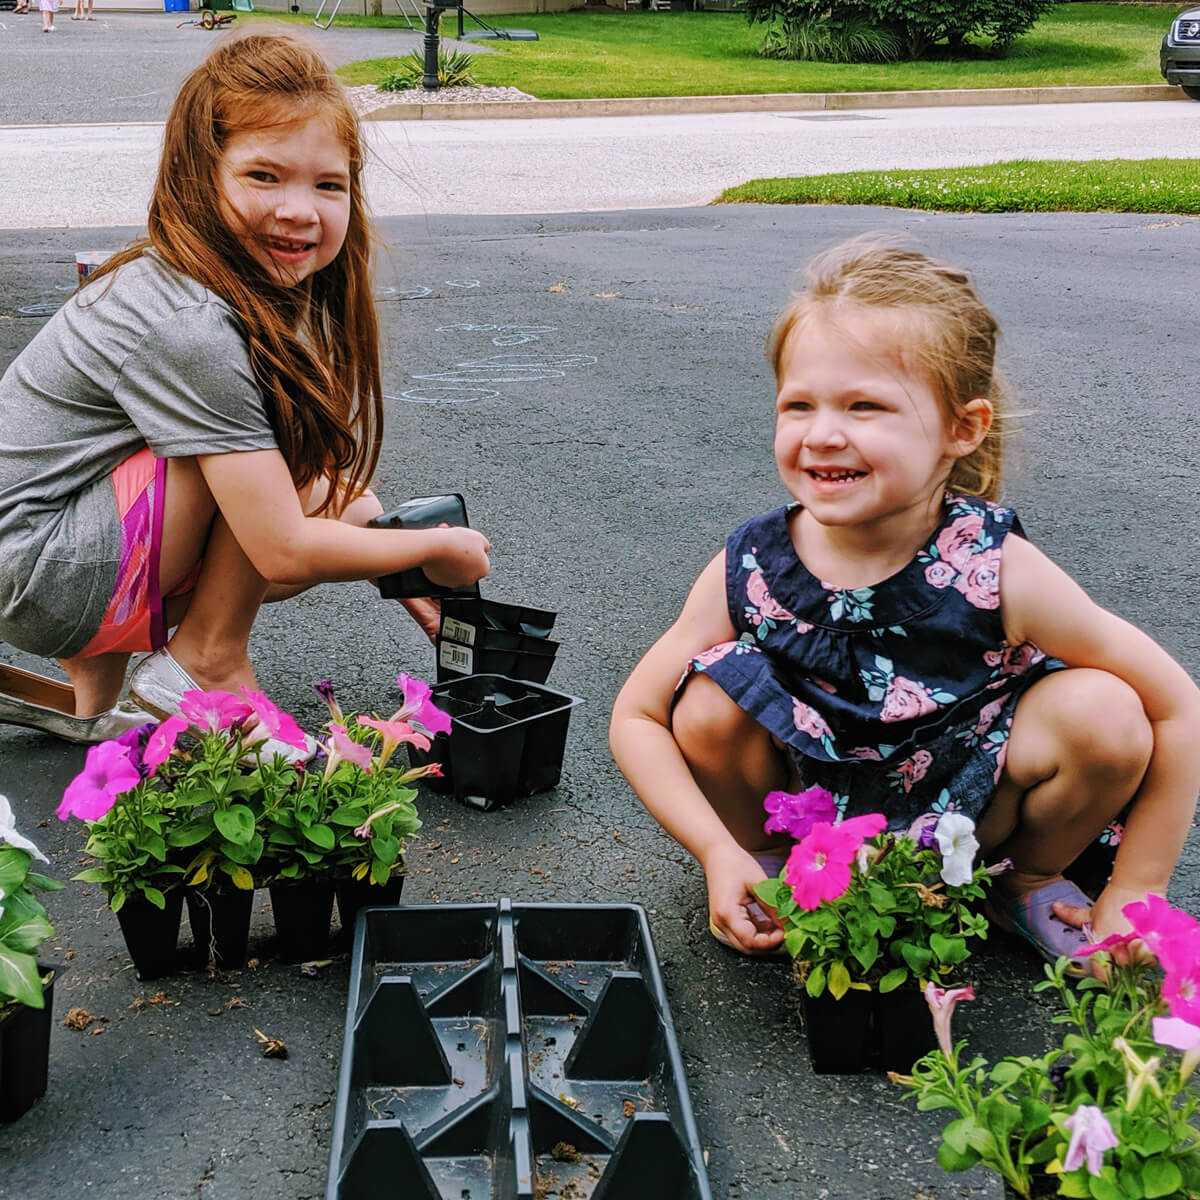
510,1051
507,738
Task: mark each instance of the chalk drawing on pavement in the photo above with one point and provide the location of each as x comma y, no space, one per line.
505,335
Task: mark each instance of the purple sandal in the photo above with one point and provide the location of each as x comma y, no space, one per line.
1031,916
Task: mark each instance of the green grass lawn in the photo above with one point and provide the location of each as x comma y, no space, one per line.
609,53
1152,185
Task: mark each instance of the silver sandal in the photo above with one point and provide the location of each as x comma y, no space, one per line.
36,702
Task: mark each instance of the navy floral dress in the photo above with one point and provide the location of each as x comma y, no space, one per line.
897,698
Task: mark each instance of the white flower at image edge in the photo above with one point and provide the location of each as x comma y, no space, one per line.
955,836
9,834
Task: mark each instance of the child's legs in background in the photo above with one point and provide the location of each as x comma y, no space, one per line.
1079,746
733,759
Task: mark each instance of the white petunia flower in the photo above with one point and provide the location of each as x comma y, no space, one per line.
955,836
9,834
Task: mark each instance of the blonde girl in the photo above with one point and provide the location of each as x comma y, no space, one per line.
891,636
195,432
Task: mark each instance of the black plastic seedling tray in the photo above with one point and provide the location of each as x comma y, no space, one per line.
509,1051
506,740
490,637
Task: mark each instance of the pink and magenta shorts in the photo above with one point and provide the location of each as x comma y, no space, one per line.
134,620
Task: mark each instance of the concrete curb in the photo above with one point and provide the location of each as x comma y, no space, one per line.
771,102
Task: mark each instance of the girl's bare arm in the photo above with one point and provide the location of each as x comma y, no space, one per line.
257,496
1044,605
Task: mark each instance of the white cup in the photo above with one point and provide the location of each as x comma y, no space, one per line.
86,261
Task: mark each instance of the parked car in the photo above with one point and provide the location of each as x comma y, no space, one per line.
1179,58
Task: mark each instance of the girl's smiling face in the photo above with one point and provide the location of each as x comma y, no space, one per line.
858,438
285,192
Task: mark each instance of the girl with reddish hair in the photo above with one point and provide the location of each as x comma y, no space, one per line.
196,430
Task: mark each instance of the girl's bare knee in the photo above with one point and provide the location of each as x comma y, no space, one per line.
707,724
1099,724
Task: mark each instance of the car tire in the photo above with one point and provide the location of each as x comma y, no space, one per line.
1193,92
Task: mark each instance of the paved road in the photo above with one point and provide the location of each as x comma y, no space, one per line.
640,436
102,175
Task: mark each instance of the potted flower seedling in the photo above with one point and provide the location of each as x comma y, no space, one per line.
1111,1112
179,803
368,795
26,985
868,918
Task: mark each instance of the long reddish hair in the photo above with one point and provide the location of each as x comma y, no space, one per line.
314,347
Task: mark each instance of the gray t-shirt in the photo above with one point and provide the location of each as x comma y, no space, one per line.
145,357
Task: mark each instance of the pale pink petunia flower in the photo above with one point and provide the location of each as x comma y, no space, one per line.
941,1003
1091,1135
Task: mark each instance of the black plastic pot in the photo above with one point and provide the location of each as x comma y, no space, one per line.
220,921
25,1050
152,934
904,1029
303,909
1040,1184
483,1039
839,1032
355,894
867,1031
507,739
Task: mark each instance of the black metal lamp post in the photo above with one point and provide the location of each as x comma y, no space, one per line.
430,80
433,21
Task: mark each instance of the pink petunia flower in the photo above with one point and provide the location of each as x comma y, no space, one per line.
395,733
274,720
818,867
1179,1035
418,707
107,772
1181,989
1091,1135
1173,937
213,711
161,742
852,832
941,1003
343,748
796,814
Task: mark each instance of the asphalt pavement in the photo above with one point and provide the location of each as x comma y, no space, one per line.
593,382
594,385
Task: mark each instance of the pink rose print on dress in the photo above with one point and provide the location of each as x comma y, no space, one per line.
940,574
979,581
905,699
768,607
913,769
987,714
959,541
714,654
866,753
808,720
1014,660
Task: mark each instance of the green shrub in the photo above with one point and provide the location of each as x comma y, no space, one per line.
454,70
821,39
881,30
